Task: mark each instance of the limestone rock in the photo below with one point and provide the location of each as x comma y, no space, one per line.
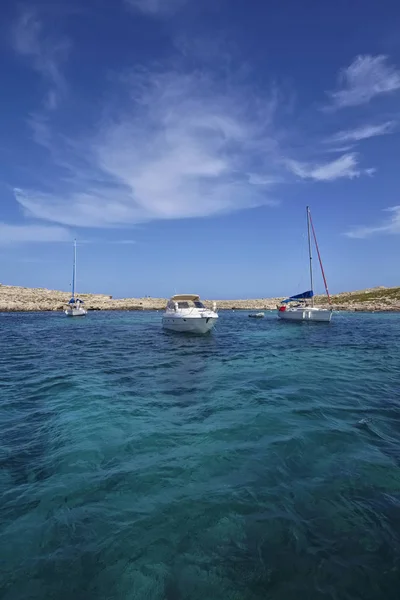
14,298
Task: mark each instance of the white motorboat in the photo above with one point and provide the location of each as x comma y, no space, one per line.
75,305
297,308
259,315
186,313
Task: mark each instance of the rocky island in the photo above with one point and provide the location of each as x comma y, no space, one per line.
15,299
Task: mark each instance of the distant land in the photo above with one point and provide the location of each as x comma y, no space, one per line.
16,299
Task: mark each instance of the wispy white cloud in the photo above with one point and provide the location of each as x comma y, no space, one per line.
41,131
104,241
156,7
186,147
366,77
257,179
389,226
45,54
362,133
183,144
32,233
338,149
345,166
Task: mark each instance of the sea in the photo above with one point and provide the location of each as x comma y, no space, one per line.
259,462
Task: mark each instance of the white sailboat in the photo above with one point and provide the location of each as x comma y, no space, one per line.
297,308
75,305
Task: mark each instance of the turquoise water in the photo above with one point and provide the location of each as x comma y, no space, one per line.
259,462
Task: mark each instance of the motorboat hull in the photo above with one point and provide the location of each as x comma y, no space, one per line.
317,315
189,324
75,312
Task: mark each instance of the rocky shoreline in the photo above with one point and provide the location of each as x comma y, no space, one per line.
20,299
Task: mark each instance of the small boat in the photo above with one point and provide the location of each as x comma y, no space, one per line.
186,313
297,307
259,315
75,305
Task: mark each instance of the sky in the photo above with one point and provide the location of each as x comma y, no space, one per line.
180,141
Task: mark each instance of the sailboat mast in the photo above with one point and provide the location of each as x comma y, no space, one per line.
319,258
74,271
310,254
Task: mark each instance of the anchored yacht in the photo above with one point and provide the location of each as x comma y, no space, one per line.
75,304
300,307
185,312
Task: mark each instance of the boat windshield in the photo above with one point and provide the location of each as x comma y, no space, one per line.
185,304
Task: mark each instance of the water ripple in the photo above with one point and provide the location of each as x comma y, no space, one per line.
262,461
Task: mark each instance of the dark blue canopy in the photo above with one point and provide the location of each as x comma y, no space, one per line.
303,296
73,300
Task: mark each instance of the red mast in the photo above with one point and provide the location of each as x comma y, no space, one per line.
319,258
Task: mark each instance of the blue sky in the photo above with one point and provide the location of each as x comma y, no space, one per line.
180,140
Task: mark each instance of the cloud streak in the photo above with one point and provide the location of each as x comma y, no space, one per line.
11,234
45,54
390,226
362,133
345,166
156,8
364,79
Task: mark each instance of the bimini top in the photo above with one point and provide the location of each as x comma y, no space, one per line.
183,297
303,296
75,300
